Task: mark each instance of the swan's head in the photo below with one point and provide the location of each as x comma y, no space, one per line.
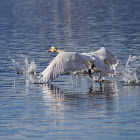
52,49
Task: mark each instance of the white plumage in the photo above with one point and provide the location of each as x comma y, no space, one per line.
70,61
105,56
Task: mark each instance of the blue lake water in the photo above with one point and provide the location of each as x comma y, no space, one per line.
73,106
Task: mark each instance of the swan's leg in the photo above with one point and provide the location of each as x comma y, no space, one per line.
100,76
90,74
89,71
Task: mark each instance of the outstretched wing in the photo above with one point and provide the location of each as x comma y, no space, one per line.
105,56
64,62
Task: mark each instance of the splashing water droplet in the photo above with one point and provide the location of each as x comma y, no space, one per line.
17,67
31,67
131,72
24,67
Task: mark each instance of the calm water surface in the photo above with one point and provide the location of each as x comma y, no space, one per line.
73,106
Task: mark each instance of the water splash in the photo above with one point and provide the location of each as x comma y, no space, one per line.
131,72
17,67
30,67
22,65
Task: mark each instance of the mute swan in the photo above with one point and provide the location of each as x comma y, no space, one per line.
103,54
71,61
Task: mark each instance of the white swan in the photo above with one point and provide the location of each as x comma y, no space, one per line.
71,61
103,54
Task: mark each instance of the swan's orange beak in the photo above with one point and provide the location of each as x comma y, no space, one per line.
49,50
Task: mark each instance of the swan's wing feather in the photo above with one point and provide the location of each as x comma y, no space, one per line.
64,62
100,66
105,53
105,56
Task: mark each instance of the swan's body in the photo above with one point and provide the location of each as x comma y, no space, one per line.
71,61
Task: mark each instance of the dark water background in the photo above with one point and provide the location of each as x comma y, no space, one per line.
72,107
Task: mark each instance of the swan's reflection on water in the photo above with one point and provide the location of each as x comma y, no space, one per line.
107,89
73,95
77,85
92,97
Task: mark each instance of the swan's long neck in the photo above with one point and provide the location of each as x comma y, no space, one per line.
59,51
